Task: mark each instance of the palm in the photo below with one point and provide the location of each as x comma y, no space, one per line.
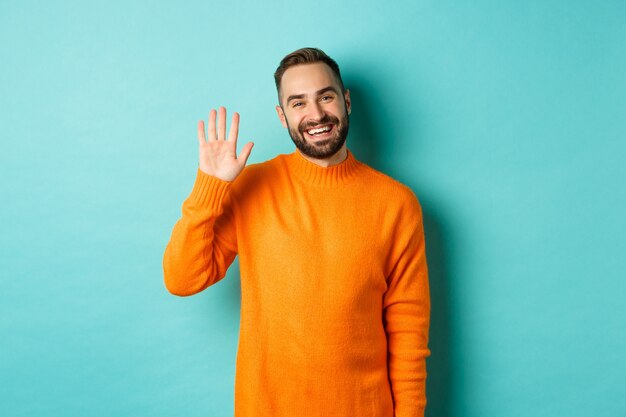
218,155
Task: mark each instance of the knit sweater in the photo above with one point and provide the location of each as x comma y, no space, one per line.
335,305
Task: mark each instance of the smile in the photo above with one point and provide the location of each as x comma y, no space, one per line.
320,132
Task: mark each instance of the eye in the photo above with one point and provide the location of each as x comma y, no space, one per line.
327,97
297,104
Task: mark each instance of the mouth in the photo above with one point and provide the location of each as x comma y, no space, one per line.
320,132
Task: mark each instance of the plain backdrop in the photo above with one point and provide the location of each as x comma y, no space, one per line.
507,119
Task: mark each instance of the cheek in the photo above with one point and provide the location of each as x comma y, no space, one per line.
294,122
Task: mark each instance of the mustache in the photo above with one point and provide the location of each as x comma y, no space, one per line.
323,121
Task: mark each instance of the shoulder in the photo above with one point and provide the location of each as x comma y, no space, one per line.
256,175
391,191
400,207
268,167
259,168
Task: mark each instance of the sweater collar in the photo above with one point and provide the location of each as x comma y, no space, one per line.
315,174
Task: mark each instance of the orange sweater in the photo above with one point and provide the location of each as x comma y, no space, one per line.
335,305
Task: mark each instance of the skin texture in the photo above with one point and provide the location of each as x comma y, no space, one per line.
218,151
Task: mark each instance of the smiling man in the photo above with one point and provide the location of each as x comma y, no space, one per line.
335,305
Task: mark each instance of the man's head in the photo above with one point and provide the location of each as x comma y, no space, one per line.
311,95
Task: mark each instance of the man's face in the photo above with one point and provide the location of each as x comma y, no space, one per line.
311,98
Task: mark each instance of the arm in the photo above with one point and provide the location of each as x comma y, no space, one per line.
406,308
203,243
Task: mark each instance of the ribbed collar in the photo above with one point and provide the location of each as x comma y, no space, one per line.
314,174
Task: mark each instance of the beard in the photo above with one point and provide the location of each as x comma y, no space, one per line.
326,148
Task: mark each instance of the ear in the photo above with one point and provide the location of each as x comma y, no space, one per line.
281,116
346,98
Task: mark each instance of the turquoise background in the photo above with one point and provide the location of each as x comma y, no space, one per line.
507,119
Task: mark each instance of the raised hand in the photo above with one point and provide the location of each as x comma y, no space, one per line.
218,155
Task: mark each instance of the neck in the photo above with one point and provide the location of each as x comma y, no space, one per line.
334,159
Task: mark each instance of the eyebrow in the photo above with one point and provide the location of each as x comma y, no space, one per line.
318,92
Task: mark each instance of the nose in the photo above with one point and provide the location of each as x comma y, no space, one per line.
316,111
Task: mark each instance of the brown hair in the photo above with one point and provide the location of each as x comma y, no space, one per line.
305,56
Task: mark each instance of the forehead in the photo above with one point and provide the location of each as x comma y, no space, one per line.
307,79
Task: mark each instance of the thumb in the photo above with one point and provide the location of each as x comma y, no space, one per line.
245,152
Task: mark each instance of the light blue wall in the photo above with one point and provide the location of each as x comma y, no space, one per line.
508,120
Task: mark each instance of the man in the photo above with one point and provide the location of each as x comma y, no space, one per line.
335,305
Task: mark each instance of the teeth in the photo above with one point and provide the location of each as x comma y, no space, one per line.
321,129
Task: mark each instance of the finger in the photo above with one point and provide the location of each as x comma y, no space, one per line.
245,152
201,137
234,128
221,124
212,125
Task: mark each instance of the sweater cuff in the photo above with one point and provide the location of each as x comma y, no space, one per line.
208,191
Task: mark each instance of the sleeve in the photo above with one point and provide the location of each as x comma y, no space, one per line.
203,242
406,312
